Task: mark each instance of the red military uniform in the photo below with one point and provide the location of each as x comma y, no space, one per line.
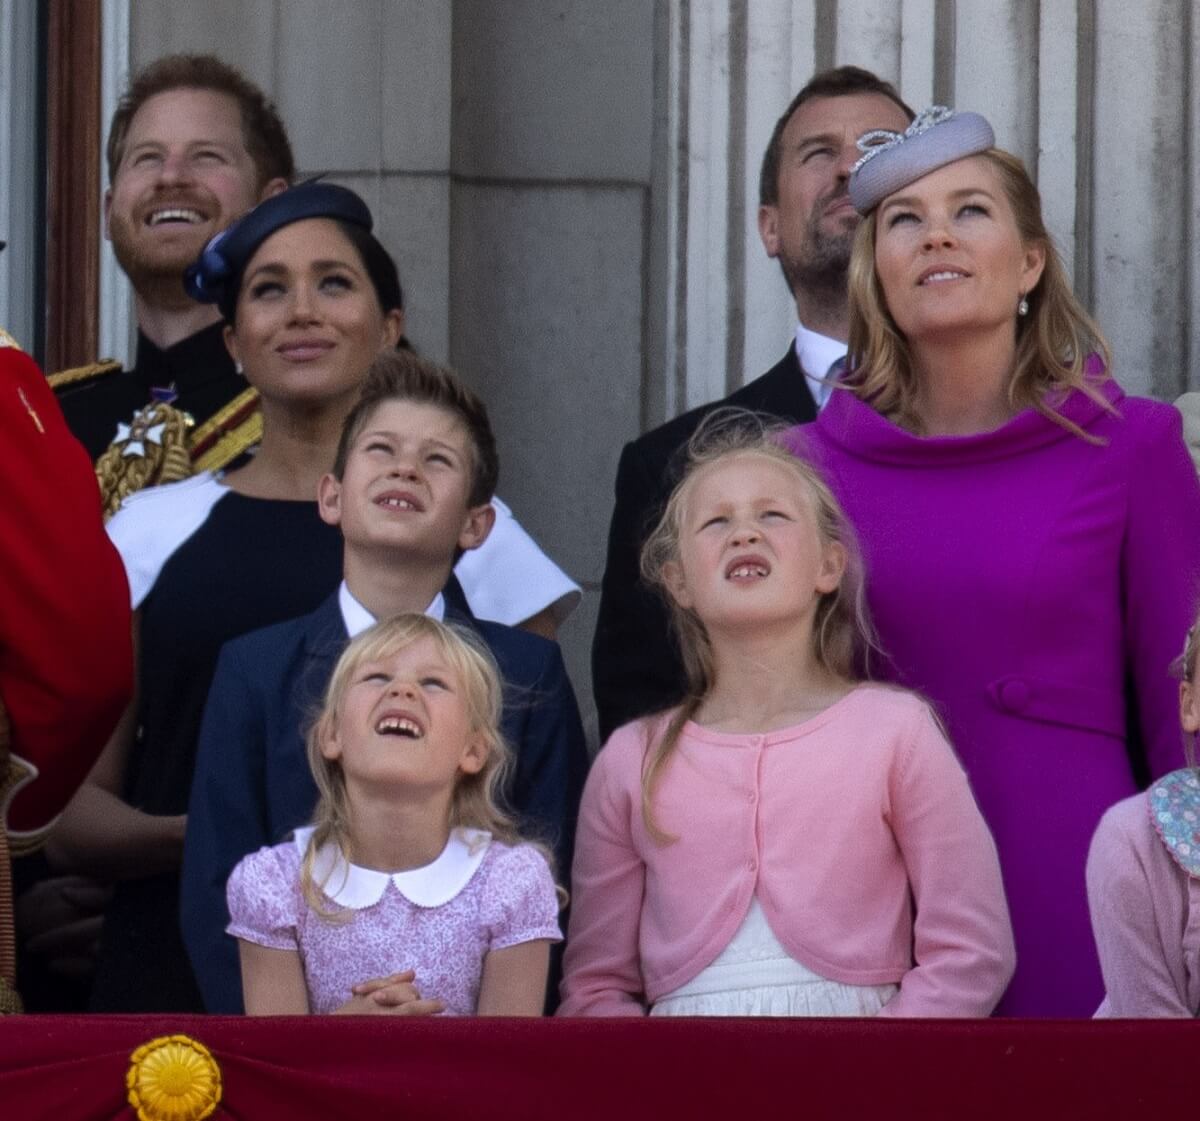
66,659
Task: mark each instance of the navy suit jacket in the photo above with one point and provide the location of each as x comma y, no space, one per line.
636,665
253,787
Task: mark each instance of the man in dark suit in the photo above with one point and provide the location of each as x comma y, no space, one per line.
807,223
411,488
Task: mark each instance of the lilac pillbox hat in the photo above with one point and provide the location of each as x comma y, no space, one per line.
891,160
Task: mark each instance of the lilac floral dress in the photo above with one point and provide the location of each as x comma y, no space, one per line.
441,920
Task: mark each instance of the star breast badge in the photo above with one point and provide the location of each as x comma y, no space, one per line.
151,448
145,428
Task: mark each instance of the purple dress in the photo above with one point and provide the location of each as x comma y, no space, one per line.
441,920
1020,579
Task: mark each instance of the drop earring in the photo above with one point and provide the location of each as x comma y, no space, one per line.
1022,306
237,368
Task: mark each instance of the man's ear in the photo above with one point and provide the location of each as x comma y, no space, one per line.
768,229
476,527
329,500
272,187
673,578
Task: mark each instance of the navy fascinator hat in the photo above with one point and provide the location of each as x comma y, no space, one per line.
215,277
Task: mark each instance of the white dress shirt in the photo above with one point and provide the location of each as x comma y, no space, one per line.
357,618
817,353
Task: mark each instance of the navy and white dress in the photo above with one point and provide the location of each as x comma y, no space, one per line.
206,564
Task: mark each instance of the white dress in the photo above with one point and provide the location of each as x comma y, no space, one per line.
755,976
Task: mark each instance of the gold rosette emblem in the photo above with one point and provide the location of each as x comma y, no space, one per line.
173,1078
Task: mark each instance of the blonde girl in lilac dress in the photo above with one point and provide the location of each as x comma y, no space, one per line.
411,893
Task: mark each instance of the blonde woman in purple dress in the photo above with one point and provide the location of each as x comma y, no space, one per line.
1031,533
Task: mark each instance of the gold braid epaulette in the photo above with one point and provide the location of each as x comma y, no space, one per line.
151,449
159,445
83,373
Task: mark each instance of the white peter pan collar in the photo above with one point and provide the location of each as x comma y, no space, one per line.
349,885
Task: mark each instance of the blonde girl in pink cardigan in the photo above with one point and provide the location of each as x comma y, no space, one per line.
791,840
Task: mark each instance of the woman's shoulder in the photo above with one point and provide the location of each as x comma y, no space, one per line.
1142,446
153,523
1139,420
195,490
509,578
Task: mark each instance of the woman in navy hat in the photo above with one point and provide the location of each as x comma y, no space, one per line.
1032,534
309,297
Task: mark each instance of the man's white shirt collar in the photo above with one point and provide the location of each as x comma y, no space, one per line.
357,618
816,353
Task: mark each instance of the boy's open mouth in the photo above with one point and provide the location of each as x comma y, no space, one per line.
400,500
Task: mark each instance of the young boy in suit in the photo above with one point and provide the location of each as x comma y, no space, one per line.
410,491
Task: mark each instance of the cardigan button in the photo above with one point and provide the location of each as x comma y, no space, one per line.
1015,695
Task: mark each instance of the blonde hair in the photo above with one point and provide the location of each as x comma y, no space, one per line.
476,803
1054,340
1185,664
1185,668
842,634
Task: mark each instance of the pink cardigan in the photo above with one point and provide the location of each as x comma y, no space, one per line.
1146,910
856,830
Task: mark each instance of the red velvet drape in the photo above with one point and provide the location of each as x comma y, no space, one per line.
70,1068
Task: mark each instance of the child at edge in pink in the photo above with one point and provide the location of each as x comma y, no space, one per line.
411,894
1143,881
790,841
